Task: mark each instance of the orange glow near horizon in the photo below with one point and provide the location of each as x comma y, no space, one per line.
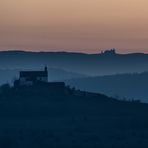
74,25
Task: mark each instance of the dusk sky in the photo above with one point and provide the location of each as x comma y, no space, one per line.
74,25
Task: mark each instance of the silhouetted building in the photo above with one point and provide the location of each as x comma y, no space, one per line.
37,81
31,77
109,52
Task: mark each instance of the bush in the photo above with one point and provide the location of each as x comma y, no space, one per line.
5,88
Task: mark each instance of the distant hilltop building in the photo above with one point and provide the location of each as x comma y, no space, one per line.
109,52
38,81
31,77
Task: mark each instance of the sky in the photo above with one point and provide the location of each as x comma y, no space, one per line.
74,25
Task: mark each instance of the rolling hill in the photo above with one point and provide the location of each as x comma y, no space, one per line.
9,75
129,86
87,64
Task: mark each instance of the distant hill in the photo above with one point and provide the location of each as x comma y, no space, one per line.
87,64
129,86
9,75
60,74
33,117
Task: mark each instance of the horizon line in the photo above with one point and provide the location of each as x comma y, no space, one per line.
71,51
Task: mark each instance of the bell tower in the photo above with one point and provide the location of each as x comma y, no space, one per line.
45,69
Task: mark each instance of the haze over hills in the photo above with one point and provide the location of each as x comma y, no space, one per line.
63,66
87,64
129,86
46,115
9,75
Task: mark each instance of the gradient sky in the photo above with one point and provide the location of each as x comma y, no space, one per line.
74,25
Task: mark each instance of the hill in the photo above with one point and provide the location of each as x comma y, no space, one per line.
87,64
9,75
130,86
36,117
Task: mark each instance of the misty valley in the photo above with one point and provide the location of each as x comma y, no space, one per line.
60,99
117,75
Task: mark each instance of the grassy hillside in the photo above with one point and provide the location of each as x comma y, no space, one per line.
33,117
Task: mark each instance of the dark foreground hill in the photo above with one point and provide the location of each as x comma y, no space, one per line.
40,117
131,86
